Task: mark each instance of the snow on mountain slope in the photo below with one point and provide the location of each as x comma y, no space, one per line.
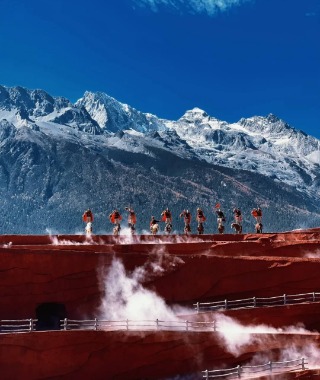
314,157
260,144
57,158
265,145
114,116
138,142
25,107
280,135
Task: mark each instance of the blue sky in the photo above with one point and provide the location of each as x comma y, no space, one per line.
232,58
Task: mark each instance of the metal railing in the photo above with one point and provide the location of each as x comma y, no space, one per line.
285,299
17,325
137,325
262,369
28,325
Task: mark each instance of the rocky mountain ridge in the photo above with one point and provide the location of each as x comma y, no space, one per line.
265,145
58,158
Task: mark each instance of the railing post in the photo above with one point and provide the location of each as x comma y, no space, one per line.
96,324
226,304
127,324
284,299
314,297
65,324
198,307
254,302
270,366
206,373
239,370
302,364
30,324
214,326
157,323
187,327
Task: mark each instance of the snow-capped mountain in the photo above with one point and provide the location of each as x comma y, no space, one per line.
25,107
265,145
114,116
58,158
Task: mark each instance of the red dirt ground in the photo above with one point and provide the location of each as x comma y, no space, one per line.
67,269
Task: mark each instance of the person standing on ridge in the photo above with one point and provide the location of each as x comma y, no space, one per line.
167,218
187,221
237,225
237,216
257,214
87,217
220,219
115,218
132,219
200,219
154,225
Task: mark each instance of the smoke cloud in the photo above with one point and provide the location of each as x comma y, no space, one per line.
236,336
310,352
313,255
127,298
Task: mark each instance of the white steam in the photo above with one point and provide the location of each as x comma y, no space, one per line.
313,255
310,352
236,336
88,241
7,245
126,298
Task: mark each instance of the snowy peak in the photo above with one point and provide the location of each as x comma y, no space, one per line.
77,118
198,129
6,130
197,116
265,145
96,105
270,124
194,115
25,107
34,102
279,134
113,116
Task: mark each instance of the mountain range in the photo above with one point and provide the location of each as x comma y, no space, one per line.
58,158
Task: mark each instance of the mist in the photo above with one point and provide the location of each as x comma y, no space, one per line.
127,298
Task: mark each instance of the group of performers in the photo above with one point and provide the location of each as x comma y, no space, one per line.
115,218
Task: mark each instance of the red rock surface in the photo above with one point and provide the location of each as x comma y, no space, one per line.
131,355
33,271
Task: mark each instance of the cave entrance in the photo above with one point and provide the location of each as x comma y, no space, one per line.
49,315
